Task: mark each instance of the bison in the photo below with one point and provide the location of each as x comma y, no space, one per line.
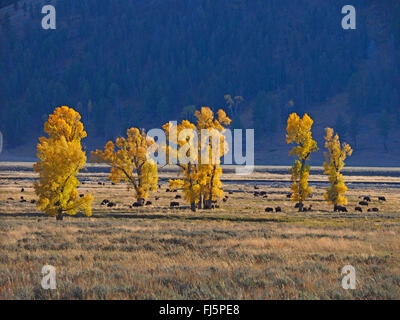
268,209
363,203
338,208
174,204
381,198
278,209
137,204
358,209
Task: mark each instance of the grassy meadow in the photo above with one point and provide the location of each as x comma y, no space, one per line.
237,251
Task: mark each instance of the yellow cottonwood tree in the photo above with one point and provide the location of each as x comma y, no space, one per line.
333,165
130,162
60,159
202,145
299,132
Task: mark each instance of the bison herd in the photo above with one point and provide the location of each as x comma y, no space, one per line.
364,202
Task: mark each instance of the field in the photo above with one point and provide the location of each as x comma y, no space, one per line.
237,251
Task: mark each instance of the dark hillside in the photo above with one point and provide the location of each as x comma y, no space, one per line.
142,63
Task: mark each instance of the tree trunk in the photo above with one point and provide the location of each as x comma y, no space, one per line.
207,204
59,216
301,206
140,201
199,206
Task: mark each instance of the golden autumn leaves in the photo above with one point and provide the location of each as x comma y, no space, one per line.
61,157
201,169
333,165
299,132
129,161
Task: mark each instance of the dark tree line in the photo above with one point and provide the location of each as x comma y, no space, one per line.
139,63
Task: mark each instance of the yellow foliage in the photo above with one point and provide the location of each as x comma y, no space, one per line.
299,132
60,159
130,162
201,182
333,166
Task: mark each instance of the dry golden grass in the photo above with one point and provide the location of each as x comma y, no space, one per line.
235,252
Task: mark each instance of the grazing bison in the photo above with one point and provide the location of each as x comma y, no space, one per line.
230,192
265,196
381,198
81,195
300,206
256,193
338,208
289,195
178,196
375,209
156,198
148,203
33,201
367,198
167,190
23,200
358,209
22,190
363,203
111,204
174,204
268,209
225,199
99,183
305,209
263,193
278,209
256,187
137,204
104,202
